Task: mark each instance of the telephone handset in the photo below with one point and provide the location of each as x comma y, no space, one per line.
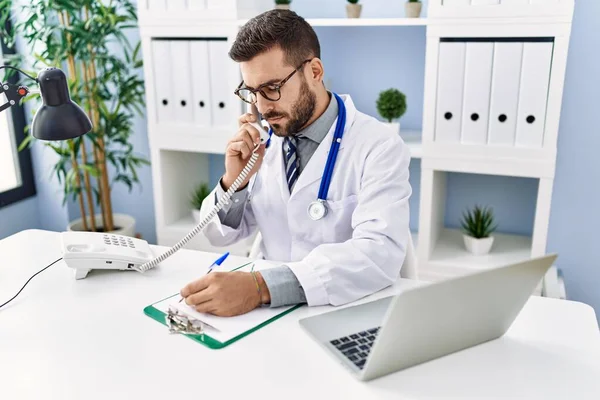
261,124
84,251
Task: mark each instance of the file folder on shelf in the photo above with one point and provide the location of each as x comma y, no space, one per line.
505,93
180,62
451,74
219,332
161,58
478,77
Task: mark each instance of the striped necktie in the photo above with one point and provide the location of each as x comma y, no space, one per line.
291,161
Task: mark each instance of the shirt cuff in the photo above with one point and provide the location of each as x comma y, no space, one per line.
232,212
283,285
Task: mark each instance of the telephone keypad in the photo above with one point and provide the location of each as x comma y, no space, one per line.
121,241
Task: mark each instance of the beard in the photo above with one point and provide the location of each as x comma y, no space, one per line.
302,111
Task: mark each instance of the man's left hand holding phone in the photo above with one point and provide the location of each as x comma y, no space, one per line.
233,293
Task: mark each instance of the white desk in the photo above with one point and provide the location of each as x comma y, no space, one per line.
89,339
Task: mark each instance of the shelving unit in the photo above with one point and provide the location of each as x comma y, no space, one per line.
473,54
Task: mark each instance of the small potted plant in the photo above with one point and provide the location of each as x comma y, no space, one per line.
282,4
478,225
353,9
391,105
197,197
412,8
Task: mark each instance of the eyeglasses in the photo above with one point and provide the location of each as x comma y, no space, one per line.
270,91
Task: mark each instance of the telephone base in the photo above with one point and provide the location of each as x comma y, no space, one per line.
81,273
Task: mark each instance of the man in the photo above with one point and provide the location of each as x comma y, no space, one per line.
358,246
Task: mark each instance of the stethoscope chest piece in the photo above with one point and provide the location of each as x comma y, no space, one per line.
317,210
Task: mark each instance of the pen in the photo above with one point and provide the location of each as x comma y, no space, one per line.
217,262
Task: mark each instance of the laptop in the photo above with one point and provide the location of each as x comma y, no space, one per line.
427,322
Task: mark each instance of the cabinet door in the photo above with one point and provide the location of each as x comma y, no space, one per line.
182,82
202,103
161,62
533,93
221,92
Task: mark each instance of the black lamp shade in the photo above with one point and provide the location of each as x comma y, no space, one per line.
59,118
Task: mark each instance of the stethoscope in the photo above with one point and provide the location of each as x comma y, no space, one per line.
317,209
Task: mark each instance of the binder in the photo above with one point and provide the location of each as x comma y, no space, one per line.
182,88
157,311
533,93
162,80
451,66
505,93
478,77
199,65
221,94
176,5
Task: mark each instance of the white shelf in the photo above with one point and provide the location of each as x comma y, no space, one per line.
413,139
449,251
360,21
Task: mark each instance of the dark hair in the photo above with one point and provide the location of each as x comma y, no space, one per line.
283,28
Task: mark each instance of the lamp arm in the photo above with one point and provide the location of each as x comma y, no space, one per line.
14,93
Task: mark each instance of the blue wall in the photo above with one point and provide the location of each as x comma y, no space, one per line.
394,57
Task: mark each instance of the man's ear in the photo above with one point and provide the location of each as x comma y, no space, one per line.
316,70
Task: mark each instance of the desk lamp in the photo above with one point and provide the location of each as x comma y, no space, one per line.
59,118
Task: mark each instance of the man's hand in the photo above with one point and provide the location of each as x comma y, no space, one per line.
226,294
239,149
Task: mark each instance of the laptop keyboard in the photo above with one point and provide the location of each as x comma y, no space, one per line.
356,347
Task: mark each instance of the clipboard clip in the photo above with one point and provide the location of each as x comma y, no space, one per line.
180,323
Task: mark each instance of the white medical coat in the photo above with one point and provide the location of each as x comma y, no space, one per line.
359,247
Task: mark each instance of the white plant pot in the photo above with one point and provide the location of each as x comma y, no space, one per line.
282,6
124,224
353,10
395,126
196,215
412,10
478,246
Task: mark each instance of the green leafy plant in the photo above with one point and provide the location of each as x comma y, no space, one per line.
198,195
283,2
414,1
86,39
391,104
478,222
352,1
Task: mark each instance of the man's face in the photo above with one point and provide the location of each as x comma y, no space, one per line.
296,106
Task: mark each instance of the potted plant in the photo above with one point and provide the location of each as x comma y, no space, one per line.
353,9
478,225
282,4
391,105
413,8
196,198
87,40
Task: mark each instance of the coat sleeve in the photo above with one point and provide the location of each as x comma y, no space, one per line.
371,260
223,230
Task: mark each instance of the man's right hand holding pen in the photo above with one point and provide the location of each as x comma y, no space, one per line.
226,294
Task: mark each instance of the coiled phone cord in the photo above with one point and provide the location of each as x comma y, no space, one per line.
222,202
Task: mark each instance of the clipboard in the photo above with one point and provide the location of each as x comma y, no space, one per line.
206,339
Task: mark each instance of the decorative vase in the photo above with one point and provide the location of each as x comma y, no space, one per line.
413,10
282,6
478,246
395,126
124,224
353,10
